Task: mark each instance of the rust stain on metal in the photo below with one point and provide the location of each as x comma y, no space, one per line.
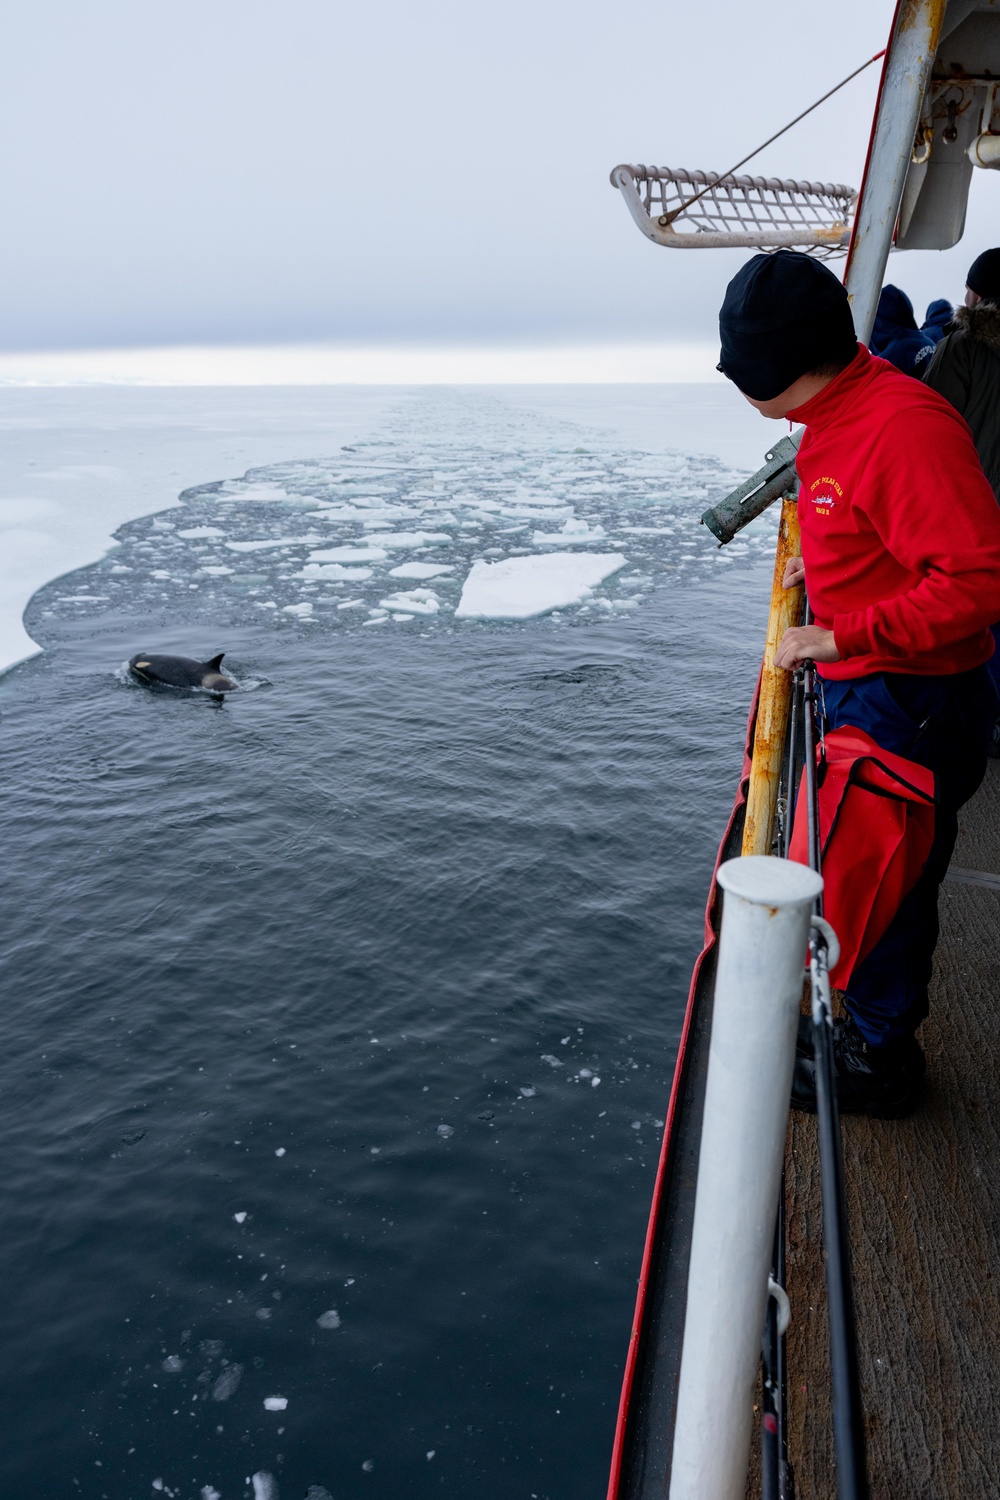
775,696
929,13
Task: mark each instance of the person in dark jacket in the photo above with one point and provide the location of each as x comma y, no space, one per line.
896,337
939,315
965,366
965,369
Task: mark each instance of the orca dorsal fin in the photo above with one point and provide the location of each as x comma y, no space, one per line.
215,663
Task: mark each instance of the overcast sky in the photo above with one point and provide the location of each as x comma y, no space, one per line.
387,170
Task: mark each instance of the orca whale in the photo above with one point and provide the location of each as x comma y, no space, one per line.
181,672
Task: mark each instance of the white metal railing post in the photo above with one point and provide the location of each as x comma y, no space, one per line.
758,988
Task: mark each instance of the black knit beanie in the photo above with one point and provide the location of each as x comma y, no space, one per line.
783,315
984,275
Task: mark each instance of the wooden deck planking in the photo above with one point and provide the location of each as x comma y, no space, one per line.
924,1203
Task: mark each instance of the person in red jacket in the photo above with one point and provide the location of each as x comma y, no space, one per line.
901,560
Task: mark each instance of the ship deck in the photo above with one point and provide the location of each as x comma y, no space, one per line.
924,1206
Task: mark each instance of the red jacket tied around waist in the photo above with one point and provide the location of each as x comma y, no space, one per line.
900,528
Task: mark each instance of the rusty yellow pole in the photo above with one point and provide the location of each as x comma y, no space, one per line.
774,701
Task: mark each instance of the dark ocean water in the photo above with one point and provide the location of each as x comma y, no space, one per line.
355,995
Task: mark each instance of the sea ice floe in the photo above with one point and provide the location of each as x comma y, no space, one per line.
334,570
238,489
329,1319
265,1486
195,533
173,1364
348,555
241,1216
399,540
520,587
215,572
417,601
303,612
444,1131
421,570
273,543
275,1403
574,533
227,1383
553,1062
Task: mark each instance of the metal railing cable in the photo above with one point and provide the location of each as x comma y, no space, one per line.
675,213
848,1420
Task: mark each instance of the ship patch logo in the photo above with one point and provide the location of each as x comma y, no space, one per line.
825,493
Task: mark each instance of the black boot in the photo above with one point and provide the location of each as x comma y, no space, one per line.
993,750
804,1040
885,1082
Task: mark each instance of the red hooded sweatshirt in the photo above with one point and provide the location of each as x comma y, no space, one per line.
900,529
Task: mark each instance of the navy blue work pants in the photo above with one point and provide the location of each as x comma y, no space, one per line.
943,723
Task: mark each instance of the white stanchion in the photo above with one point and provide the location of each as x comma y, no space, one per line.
758,988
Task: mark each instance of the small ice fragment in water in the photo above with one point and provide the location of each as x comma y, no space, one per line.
430,1454
241,1216
553,1062
348,555
280,1151
227,1383
594,1081
563,1041
444,1131
418,601
209,1492
194,532
157,1484
265,1486
215,572
263,1313
421,570
574,531
173,1364
586,1073
368,1466
303,611
528,1093
275,1403
329,1319
636,1124
318,1492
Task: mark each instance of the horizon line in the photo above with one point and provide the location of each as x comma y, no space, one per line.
584,362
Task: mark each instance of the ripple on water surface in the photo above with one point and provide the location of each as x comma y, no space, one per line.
340,1015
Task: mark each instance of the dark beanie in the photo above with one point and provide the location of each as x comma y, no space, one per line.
783,315
984,275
